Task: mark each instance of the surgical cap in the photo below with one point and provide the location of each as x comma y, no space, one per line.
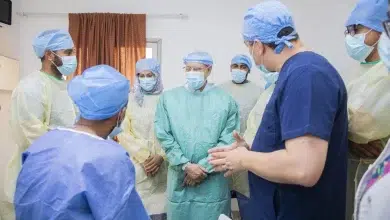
242,59
148,65
100,92
264,22
52,40
199,57
369,13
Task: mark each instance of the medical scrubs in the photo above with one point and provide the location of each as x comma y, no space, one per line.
188,124
310,98
74,175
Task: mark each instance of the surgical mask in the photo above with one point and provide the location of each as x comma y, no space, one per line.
69,65
270,78
239,76
117,130
356,48
195,79
77,118
384,50
262,68
148,83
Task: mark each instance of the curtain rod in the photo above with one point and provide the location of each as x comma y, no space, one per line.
179,16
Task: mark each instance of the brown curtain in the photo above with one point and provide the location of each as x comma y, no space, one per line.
118,40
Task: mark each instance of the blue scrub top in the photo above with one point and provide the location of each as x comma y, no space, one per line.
74,175
309,98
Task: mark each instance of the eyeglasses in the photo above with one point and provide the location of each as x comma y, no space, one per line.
353,29
248,43
195,69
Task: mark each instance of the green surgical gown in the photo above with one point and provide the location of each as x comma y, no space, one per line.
188,124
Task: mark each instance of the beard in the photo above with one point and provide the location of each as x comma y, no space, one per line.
57,61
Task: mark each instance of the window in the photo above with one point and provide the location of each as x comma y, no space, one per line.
153,48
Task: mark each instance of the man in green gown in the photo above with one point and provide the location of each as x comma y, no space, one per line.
189,121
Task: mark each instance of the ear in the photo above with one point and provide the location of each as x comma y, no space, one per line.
49,55
259,48
209,71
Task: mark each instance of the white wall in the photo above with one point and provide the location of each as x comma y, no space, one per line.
9,47
213,25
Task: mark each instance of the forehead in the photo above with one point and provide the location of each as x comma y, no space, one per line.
238,64
146,72
196,65
70,50
358,27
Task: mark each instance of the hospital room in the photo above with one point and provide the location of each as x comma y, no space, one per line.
195,110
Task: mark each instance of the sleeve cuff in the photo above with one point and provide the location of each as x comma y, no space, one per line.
185,165
307,130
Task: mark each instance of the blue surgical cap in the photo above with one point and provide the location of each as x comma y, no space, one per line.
148,65
52,40
264,22
100,92
199,57
369,13
244,59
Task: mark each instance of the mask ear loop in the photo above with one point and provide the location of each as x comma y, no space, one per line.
375,42
58,57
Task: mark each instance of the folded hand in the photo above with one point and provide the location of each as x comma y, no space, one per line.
152,165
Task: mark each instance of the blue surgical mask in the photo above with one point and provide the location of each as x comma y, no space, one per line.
270,78
148,83
262,68
238,76
117,130
69,65
195,80
384,50
356,48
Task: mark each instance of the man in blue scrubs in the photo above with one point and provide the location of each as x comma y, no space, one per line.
78,173
298,160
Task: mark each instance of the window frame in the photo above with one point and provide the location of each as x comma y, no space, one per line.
158,42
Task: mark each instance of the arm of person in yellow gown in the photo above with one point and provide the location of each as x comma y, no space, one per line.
29,111
226,137
164,134
131,142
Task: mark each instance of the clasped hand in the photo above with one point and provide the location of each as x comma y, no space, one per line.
194,175
371,150
229,159
152,165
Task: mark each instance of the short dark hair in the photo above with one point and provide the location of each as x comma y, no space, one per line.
282,33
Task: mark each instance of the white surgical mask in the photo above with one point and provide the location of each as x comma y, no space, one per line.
356,48
147,83
195,79
238,76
